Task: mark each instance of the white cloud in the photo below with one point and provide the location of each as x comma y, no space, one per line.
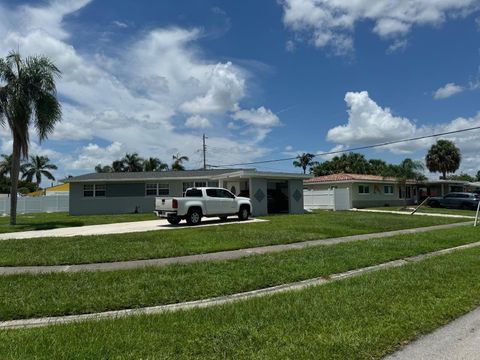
197,122
260,117
120,24
398,45
447,90
332,22
370,124
136,96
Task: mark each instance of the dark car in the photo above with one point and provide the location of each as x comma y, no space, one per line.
456,200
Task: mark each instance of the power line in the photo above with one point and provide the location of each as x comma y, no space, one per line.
354,149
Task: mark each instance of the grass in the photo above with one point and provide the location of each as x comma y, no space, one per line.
45,221
26,296
359,318
427,209
158,244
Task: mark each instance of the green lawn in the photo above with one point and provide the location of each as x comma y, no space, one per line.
427,209
26,296
45,221
159,244
359,318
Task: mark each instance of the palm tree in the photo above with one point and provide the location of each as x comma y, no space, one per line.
6,165
409,170
178,162
132,162
154,164
303,161
118,166
27,97
38,166
443,157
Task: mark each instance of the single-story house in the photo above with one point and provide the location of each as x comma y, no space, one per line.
128,192
367,190
373,190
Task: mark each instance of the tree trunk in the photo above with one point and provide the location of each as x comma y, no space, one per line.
444,175
14,180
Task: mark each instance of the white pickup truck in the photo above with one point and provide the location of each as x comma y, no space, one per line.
202,201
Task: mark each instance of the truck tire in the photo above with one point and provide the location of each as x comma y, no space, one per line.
244,213
174,220
194,216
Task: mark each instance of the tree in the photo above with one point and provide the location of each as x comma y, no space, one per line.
409,170
154,164
178,162
27,97
118,166
38,166
304,161
6,165
478,176
132,162
461,177
352,163
443,157
103,169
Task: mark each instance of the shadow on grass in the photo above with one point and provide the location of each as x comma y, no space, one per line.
49,225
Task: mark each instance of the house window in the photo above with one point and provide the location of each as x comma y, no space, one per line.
187,185
163,189
88,190
364,189
213,183
100,190
157,189
388,189
95,190
200,183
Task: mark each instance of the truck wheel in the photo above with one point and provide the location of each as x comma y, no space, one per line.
174,220
244,213
194,217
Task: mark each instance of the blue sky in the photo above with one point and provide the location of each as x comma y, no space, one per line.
263,79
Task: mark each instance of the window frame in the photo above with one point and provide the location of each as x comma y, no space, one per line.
155,189
363,187
389,193
95,191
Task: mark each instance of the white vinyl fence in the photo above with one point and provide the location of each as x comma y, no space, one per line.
333,199
40,204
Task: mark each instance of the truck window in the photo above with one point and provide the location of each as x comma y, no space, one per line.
212,193
194,193
225,194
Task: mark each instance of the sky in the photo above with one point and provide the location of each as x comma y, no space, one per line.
262,79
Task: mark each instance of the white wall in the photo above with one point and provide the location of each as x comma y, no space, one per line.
40,204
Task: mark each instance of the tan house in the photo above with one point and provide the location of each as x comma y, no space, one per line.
367,190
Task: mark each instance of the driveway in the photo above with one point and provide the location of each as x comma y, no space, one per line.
119,228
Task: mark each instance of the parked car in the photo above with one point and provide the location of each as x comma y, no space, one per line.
202,202
456,200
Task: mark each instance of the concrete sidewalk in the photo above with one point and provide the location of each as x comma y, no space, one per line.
118,228
215,256
460,339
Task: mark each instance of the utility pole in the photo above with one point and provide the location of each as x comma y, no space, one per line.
204,153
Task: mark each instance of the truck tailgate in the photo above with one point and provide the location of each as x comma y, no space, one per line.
163,204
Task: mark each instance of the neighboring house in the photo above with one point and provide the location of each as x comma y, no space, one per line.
367,190
128,192
62,189
440,187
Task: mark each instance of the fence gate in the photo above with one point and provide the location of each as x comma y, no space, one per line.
332,199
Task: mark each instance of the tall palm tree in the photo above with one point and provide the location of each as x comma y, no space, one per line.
303,161
154,164
178,162
38,166
132,162
27,97
443,157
